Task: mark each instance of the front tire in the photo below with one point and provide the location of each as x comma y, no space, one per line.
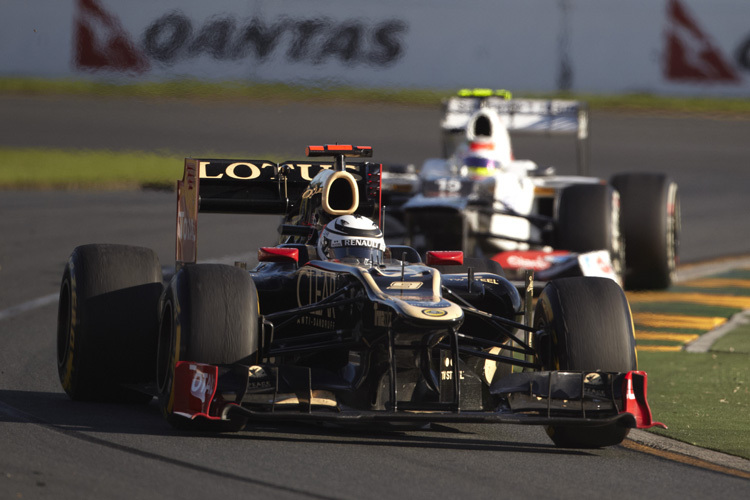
209,315
589,328
107,322
588,219
650,216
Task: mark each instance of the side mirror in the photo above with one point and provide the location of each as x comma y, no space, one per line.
276,254
445,258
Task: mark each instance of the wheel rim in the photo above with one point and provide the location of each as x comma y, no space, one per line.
673,218
618,242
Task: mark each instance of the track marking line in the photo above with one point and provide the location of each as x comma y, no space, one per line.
691,298
658,320
684,459
660,348
717,283
28,306
705,341
674,337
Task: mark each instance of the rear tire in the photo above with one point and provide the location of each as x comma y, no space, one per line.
650,214
591,329
107,322
209,315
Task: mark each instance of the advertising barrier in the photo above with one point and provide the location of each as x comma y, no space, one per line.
598,46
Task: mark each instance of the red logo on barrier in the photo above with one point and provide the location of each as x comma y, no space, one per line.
690,54
102,43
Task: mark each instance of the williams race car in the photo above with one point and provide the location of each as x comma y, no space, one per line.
334,326
528,217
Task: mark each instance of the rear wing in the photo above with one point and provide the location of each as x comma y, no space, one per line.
532,116
258,187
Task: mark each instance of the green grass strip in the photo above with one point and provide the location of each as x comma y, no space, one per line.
324,92
98,169
59,169
703,398
193,89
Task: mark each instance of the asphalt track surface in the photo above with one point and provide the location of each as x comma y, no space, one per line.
54,448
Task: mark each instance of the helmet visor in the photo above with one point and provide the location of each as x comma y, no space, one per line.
362,254
481,166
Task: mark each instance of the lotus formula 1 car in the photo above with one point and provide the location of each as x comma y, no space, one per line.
525,216
333,326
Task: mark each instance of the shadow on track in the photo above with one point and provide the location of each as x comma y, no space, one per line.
77,419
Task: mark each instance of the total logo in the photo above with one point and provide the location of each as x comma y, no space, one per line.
447,372
202,384
186,227
102,42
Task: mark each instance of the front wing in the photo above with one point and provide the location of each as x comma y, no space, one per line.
209,392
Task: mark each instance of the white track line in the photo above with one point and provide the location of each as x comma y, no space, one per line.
705,341
28,306
11,312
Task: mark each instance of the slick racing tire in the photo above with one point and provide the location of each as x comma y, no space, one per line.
209,315
589,328
588,219
107,322
650,221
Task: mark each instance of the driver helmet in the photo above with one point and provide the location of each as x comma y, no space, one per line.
479,167
352,237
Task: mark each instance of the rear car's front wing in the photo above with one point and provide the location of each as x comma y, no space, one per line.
203,391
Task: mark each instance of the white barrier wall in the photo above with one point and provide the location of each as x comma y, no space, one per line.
600,46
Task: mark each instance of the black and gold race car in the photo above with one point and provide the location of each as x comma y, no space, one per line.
333,326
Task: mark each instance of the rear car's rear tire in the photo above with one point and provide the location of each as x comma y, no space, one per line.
650,220
107,322
589,328
209,315
588,219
